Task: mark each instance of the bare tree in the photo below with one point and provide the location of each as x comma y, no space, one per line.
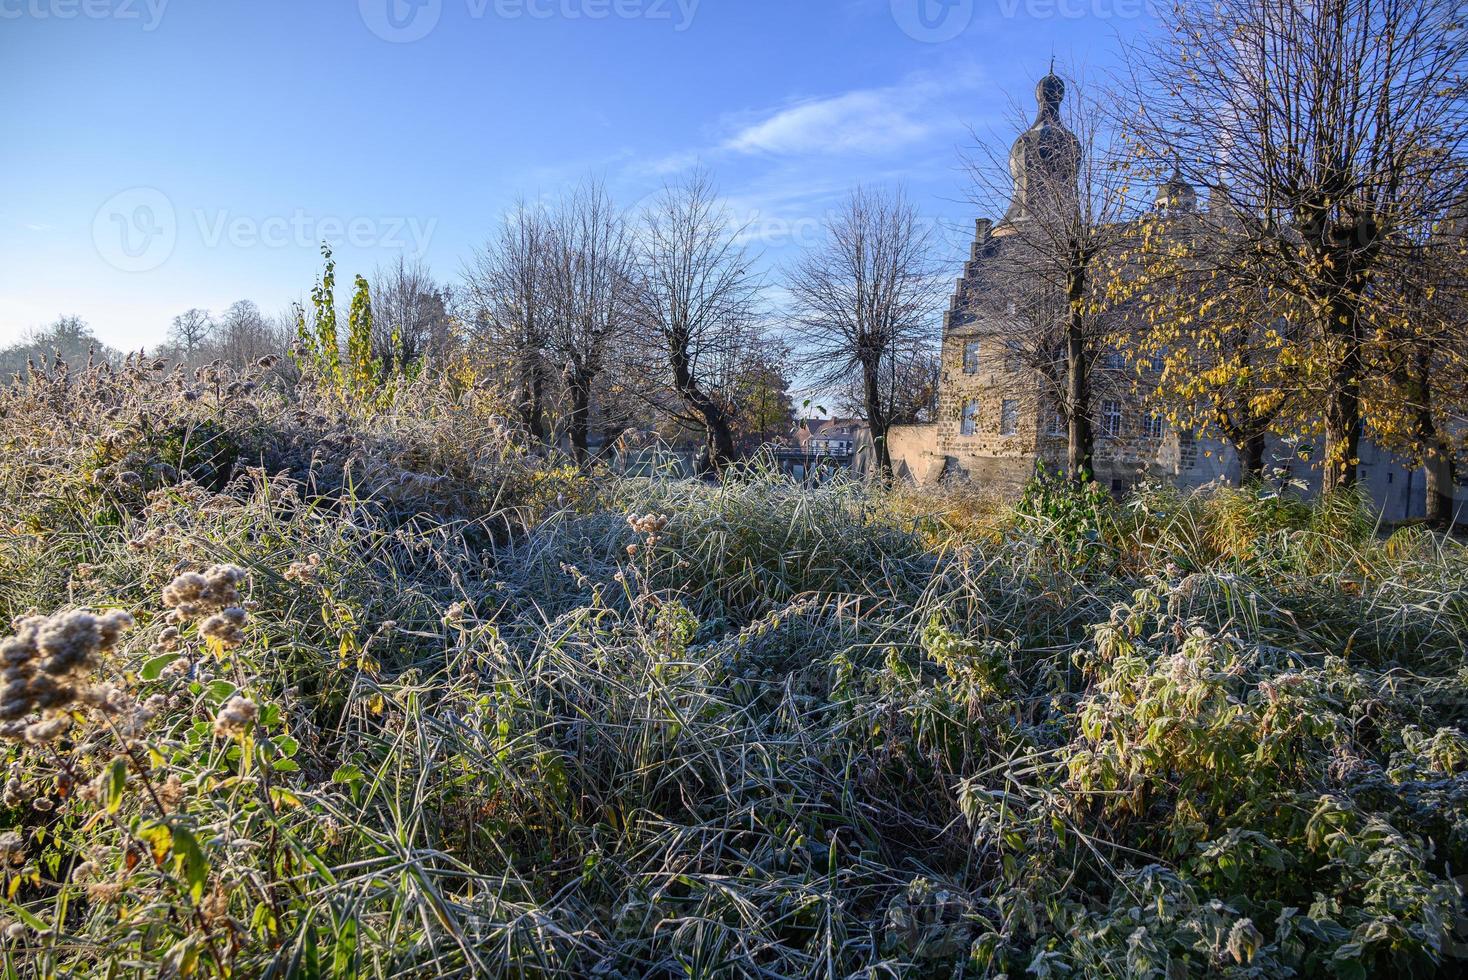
243,336
912,380
1047,265
866,297
696,306
189,334
69,338
1324,120
410,314
508,283
589,271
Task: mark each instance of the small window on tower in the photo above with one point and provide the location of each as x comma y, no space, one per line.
971,357
970,424
1154,426
1009,417
1111,417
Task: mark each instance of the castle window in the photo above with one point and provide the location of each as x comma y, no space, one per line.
1014,358
1111,417
970,424
1154,426
1009,417
971,357
1157,361
1114,361
1057,426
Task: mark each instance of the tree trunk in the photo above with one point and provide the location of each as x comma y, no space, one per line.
718,435
1251,459
1343,423
532,402
1441,487
536,414
718,445
1082,445
1437,458
579,422
877,419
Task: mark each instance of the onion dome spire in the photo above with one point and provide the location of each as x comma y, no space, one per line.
1177,195
1045,160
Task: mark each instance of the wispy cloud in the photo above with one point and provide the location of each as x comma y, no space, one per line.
857,122
864,123
871,121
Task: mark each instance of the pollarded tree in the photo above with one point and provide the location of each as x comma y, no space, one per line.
508,285
589,274
865,297
1324,119
411,319
1417,400
696,309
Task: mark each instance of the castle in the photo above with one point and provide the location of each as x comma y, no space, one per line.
999,415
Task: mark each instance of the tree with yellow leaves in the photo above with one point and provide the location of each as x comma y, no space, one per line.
1337,128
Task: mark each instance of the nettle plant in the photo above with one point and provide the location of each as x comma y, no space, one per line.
145,803
1236,801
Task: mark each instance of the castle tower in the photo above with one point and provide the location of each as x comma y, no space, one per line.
1045,160
995,418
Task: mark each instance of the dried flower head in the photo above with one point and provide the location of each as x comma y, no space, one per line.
12,849
236,718
305,572
171,794
47,666
226,627
193,595
47,731
104,892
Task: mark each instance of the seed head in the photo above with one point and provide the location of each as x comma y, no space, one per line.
196,596
12,849
236,718
226,627
47,665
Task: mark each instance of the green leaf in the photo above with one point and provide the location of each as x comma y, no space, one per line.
347,774
221,691
189,857
153,669
344,957
23,915
116,784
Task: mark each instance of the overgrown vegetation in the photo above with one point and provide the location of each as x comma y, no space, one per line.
296,689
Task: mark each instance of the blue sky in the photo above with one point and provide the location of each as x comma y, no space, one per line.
166,154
